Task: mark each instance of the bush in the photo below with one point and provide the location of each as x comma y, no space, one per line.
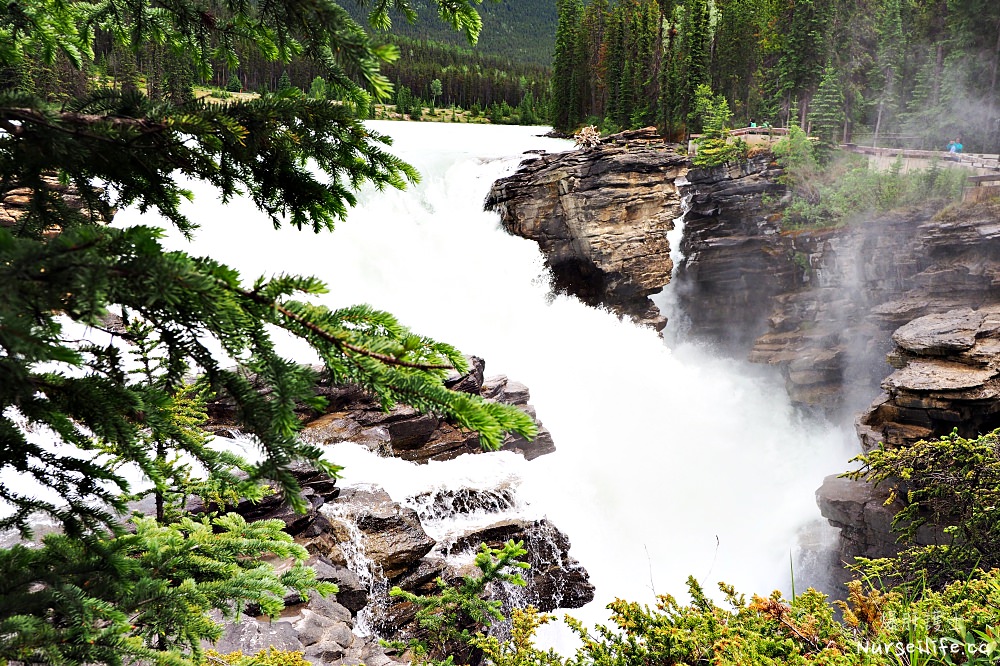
847,187
269,657
951,484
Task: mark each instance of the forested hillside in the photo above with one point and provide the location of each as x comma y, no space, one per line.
494,79
467,77
914,72
517,30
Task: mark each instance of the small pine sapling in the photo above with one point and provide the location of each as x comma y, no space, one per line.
449,620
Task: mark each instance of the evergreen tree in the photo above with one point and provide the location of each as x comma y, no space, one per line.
317,89
738,54
826,116
711,112
888,63
98,593
592,37
567,67
697,39
803,54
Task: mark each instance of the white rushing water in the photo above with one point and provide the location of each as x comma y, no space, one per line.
670,462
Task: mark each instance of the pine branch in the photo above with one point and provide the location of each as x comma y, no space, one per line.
337,341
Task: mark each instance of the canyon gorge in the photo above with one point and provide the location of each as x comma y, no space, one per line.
890,321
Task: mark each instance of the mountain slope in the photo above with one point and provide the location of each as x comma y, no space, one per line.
521,30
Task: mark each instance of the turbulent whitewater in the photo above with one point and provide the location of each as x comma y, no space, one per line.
670,462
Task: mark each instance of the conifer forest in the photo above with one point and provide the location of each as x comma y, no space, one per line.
911,71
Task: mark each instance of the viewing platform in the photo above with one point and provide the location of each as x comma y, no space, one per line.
982,163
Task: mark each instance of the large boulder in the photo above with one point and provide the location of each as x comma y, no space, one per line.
600,216
383,532
947,376
555,579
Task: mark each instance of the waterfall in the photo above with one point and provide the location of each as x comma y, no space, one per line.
671,461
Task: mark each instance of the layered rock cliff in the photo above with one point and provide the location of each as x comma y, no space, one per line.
826,307
735,259
947,377
831,332
916,288
600,217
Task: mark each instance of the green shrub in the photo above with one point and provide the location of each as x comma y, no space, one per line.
269,657
951,484
450,619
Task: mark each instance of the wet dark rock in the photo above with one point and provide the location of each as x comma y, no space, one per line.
555,579
405,433
420,577
391,534
352,594
735,259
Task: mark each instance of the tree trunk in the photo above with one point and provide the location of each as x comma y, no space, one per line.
878,124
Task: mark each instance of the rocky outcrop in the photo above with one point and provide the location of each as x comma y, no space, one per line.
15,203
947,376
600,216
353,415
555,579
381,532
860,511
735,259
365,543
830,334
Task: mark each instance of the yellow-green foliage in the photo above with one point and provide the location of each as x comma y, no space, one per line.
952,484
519,650
768,630
957,625
269,657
